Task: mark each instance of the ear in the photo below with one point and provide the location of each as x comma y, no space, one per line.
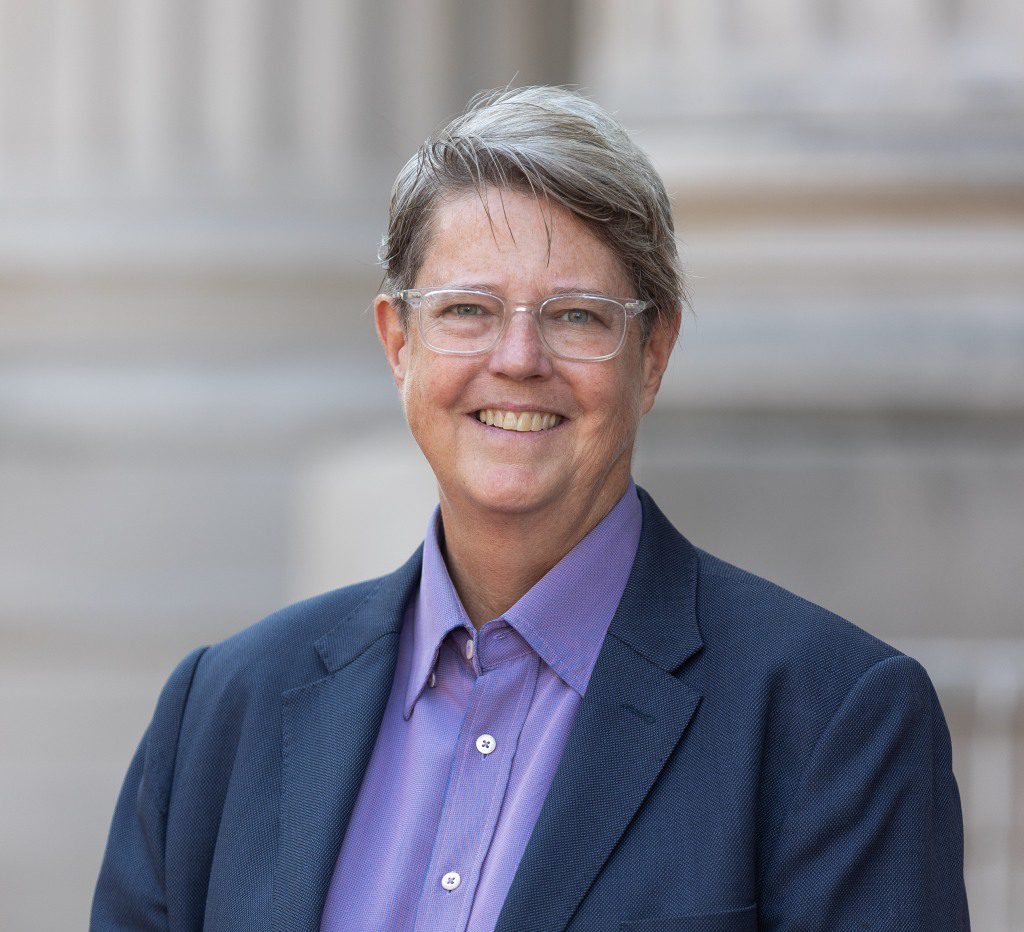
393,336
656,352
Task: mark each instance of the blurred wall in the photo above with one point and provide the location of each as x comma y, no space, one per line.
195,418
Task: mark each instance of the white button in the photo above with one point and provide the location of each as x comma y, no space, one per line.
469,649
451,880
486,743
433,679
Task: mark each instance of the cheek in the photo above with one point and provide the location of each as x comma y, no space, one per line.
617,403
431,393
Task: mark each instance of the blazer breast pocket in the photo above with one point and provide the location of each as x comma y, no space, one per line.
731,920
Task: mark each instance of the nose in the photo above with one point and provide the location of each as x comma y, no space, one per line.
520,354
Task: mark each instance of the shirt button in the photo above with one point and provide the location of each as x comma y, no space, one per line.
486,743
451,880
433,679
469,649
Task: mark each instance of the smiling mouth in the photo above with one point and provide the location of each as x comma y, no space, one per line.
518,420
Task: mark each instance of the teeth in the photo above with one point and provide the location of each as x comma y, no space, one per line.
524,421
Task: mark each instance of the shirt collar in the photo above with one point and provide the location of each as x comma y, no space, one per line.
564,617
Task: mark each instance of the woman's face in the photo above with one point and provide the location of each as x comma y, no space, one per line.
584,460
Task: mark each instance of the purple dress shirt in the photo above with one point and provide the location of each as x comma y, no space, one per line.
472,734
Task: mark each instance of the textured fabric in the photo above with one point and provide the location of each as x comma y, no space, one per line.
431,802
742,759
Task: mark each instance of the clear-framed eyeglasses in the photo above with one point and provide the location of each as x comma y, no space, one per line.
572,326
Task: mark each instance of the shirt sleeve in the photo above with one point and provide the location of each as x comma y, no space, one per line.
873,838
130,892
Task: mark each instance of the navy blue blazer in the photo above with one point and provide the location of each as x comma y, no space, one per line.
742,760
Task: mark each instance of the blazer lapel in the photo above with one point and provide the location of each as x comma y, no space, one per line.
329,729
629,721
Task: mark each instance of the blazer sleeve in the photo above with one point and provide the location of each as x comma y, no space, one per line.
130,892
873,838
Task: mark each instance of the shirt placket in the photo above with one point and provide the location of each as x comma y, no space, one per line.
507,671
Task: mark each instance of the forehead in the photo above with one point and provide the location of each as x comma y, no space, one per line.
516,243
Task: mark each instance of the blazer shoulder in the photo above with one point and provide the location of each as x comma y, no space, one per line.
747,618
781,670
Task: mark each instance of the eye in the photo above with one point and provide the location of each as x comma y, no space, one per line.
465,310
576,315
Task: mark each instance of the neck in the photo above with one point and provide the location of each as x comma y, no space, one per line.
495,559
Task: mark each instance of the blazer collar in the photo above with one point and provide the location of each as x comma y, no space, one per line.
377,615
657,616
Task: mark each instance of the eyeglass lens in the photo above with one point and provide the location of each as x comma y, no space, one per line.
580,327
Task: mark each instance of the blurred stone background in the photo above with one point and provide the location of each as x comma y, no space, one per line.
196,425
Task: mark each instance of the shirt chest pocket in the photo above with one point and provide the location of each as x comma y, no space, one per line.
732,920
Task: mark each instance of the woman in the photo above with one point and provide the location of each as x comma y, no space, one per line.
559,713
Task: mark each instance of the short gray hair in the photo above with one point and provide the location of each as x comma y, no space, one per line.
557,145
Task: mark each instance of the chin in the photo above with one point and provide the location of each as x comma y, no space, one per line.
509,489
